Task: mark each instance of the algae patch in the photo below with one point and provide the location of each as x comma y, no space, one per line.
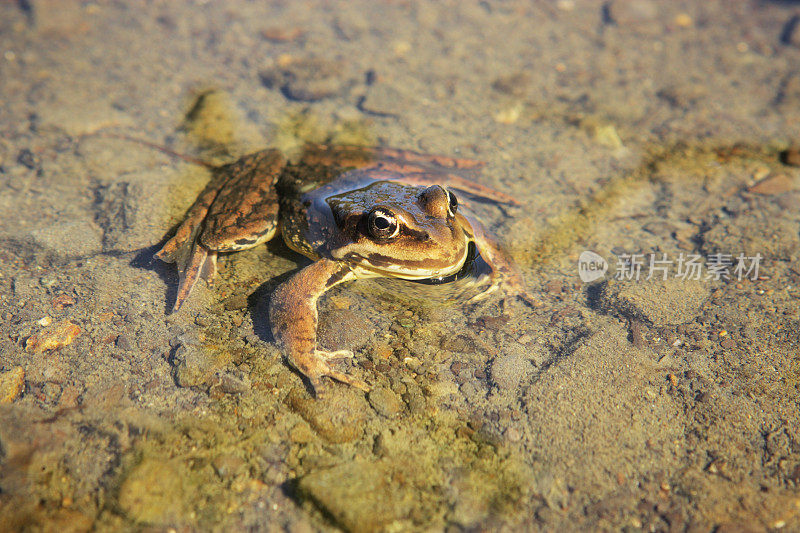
680,164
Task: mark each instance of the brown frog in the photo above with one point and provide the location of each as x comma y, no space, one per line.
356,212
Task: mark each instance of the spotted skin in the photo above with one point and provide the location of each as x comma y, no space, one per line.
237,210
356,212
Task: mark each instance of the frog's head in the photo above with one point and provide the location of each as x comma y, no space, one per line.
410,232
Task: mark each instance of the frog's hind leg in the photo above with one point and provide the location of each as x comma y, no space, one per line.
422,169
504,273
409,156
459,184
237,210
189,229
245,212
202,263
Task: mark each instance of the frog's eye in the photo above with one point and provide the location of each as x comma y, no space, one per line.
382,224
452,203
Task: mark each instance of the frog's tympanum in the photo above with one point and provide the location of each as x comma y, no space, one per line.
356,212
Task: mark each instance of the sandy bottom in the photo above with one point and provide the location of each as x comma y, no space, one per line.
659,133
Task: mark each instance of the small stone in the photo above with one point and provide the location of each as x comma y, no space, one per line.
195,365
414,400
683,94
61,301
12,383
776,184
382,351
236,302
305,79
728,343
51,391
791,156
53,337
230,384
153,493
515,84
554,286
683,20
123,342
228,465
69,397
277,34
385,402
27,159
338,418
509,115
458,344
606,135
513,434
361,496
301,433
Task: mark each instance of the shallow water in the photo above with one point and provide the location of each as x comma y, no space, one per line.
639,130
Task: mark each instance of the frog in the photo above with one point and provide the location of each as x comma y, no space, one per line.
356,212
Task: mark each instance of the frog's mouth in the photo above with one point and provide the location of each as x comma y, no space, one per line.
465,271
378,265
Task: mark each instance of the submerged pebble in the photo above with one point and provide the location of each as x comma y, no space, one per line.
12,383
360,496
305,79
776,184
53,337
385,402
338,418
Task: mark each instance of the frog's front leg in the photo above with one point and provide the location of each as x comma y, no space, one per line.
293,319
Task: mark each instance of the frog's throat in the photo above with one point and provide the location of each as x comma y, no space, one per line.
376,265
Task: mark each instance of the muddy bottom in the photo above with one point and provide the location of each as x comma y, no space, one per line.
651,382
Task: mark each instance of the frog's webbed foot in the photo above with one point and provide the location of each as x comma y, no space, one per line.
494,284
194,261
202,264
315,366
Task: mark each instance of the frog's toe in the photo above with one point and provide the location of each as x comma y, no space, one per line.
316,368
320,388
348,380
484,294
336,354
